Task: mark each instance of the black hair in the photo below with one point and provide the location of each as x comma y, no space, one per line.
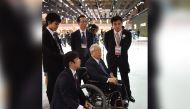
51,17
94,26
115,18
78,18
69,57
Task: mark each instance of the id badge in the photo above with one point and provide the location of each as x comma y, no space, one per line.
83,46
118,50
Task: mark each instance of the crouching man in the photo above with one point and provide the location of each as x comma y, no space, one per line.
67,92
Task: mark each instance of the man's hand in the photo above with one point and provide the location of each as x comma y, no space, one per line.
88,105
111,75
113,80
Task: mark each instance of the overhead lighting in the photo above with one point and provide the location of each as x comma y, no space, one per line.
61,1
135,26
86,5
140,3
124,23
143,24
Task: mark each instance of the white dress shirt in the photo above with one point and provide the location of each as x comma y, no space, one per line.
120,33
50,31
82,31
74,72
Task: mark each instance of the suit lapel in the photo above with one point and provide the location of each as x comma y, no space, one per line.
52,40
95,63
98,67
72,78
88,38
121,38
113,37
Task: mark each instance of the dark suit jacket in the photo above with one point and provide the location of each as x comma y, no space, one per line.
109,42
95,72
76,42
52,59
66,95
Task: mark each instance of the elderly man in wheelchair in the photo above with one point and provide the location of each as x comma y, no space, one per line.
103,83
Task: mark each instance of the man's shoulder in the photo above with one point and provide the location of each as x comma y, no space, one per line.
64,75
126,31
75,32
90,60
45,32
109,32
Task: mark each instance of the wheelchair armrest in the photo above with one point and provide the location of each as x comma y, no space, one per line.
93,81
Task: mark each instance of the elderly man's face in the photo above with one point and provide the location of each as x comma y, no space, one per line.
97,53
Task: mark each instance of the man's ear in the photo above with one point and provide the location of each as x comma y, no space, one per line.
49,22
70,63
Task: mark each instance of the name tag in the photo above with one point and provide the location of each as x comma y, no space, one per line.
118,50
83,45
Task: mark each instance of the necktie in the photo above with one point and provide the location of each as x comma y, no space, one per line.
58,41
83,38
117,39
102,67
75,77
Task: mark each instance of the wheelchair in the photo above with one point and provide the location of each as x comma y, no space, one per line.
98,98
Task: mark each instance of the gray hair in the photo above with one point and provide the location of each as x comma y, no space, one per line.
93,47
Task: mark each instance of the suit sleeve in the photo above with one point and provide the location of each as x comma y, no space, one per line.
94,74
82,97
73,42
66,96
106,40
130,39
46,47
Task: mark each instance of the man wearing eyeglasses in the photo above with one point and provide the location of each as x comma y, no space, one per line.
81,40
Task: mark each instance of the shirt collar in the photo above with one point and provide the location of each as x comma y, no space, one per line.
50,30
82,31
118,32
73,71
98,61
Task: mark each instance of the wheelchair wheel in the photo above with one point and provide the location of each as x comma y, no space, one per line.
95,96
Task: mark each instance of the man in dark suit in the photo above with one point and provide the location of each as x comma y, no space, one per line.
52,52
81,40
98,71
67,91
117,42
